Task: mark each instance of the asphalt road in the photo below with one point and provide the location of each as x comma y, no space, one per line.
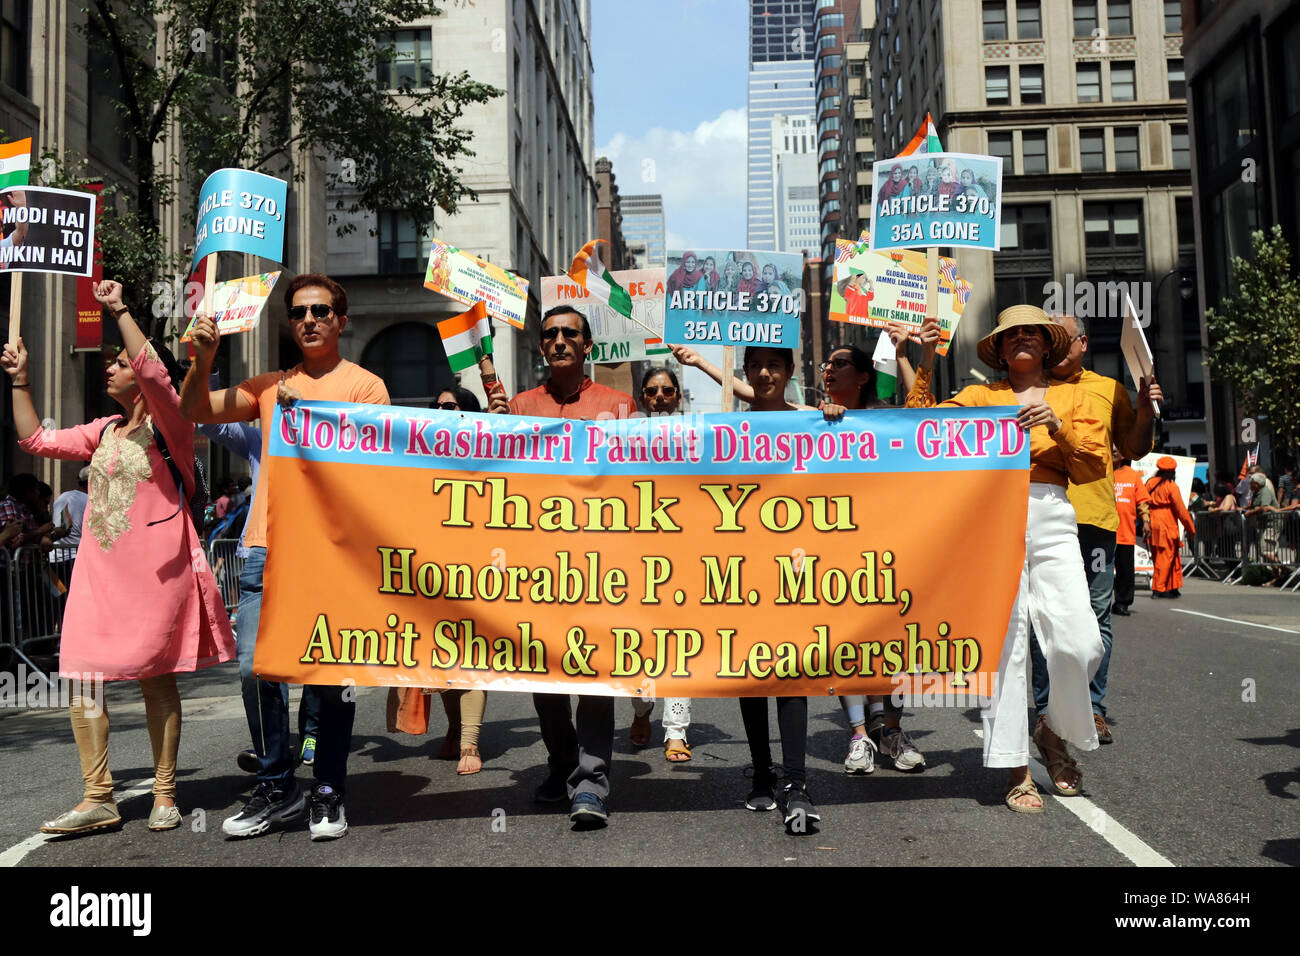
1203,772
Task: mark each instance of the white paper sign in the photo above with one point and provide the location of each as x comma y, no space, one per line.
1133,343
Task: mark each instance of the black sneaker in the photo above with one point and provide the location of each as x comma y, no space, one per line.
588,811
327,819
267,807
762,797
554,789
798,808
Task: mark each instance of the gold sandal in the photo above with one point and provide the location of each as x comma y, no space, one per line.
1057,759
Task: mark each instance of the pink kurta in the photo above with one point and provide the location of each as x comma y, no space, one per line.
142,601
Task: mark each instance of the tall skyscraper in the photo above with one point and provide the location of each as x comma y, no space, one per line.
643,230
781,51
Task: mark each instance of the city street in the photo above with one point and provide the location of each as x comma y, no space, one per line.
1203,771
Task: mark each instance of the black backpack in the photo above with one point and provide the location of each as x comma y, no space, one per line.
198,501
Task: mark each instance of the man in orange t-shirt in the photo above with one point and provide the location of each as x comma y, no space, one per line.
317,307
1131,500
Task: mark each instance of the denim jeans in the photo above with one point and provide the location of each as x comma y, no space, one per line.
323,712
1098,549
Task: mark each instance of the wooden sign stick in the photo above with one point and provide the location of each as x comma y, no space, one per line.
15,306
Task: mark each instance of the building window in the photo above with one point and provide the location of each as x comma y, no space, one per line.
410,359
1173,16
1029,21
402,250
1177,80
1031,83
14,53
1092,150
1119,18
1023,265
1087,82
1001,145
1181,147
997,85
1126,149
1121,82
1085,17
411,62
1034,149
1112,226
995,19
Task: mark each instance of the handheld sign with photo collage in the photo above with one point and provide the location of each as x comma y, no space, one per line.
741,297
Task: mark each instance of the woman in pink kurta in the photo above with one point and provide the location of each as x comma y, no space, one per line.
143,604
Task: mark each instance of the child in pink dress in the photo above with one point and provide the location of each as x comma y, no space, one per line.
143,604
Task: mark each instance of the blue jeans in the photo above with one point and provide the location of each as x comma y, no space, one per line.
322,713
1098,549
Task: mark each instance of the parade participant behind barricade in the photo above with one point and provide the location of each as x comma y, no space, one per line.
20,505
1197,503
768,370
1225,498
579,758
848,377
1264,500
1131,504
317,308
1065,444
1095,509
143,604
1167,509
67,514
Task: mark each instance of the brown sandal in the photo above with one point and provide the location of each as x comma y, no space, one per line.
1057,759
1025,789
470,751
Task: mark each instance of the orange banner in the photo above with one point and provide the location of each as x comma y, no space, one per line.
714,556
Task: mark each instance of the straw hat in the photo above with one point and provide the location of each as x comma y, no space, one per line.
1024,315
1165,463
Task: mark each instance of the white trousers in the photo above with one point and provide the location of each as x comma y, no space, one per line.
1053,597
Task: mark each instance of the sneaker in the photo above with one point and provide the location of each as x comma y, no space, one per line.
862,756
798,808
327,819
588,809
247,761
898,747
267,807
308,755
1103,729
554,789
762,797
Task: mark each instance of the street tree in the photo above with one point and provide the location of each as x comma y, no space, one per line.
1254,337
268,85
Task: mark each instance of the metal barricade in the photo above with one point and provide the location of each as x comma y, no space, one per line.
1270,539
226,567
1218,545
32,612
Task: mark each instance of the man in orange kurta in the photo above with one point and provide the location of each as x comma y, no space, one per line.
1131,499
1163,538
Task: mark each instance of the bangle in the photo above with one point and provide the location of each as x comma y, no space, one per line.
23,385
118,313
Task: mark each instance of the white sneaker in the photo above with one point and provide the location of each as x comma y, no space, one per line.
898,747
862,756
327,819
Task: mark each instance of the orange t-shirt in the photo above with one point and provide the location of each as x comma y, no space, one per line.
1130,491
346,382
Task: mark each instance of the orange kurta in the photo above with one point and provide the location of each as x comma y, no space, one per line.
1167,510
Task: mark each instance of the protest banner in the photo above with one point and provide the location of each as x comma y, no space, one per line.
616,338
238,304
717,297
876,288
1183,474
469,279
706,556
937,199
47,230
240,211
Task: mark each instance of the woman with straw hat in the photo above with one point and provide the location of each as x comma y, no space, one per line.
1066,443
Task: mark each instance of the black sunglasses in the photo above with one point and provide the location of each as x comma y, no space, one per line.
319,310
449,406
668,390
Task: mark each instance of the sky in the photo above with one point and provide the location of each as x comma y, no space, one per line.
669,86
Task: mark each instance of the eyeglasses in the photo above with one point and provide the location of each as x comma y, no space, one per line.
319,310
668,391
836,363
449,406
555,330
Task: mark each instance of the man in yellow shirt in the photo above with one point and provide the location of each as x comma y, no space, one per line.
1132,431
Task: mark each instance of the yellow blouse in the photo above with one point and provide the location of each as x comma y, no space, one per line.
1078,452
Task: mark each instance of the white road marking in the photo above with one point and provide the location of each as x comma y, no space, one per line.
14,855
1098,820
1232,620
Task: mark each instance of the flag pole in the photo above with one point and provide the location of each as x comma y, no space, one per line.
728,376
15,305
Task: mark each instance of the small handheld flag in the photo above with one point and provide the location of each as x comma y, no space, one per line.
467,337
926,140
15,163
590,273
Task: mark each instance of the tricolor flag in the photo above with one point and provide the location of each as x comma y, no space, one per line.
656,347
467,337
15,163
926,140
885,361
590,273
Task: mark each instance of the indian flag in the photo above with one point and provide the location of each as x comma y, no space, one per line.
926,140
656,347
467,337
589,272
885,361
15,163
